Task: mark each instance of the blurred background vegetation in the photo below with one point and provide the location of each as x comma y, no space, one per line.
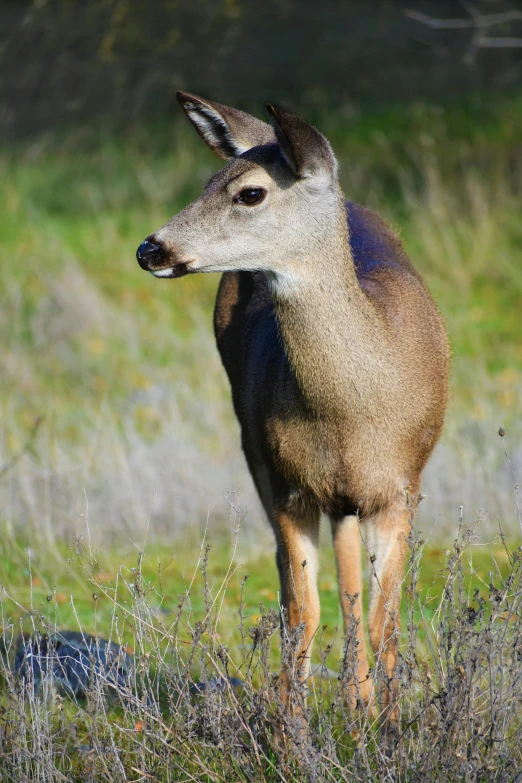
422,103
122,60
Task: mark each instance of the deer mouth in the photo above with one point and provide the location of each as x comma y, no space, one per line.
171,272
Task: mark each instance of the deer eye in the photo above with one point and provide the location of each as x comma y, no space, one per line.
250,196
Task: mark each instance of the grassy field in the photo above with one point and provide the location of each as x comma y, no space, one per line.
137,450
124,369
34,580
207,621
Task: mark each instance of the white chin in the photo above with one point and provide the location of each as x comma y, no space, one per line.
162,272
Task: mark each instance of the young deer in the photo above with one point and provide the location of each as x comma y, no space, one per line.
337,358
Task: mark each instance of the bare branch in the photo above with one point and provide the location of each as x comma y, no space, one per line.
477,22
19,454
439,24
481,20
497,43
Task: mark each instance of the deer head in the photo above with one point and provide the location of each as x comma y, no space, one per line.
268,209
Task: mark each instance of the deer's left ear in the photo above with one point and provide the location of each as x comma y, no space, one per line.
306,151
227,131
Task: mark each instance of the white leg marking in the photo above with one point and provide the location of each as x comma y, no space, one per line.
380,546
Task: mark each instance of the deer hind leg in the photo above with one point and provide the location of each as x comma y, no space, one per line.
347,546
386,538
297,537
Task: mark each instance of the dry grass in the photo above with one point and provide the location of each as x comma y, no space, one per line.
460,678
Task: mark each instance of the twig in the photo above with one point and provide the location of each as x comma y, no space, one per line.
516,490
27,445
40,763
479,23
497,43
480,20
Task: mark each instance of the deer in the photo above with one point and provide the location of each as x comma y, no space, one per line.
338,363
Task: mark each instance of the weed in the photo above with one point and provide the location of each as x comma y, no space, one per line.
194,703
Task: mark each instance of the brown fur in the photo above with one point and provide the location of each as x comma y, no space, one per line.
326,461
338,362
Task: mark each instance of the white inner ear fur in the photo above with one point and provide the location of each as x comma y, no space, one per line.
213,128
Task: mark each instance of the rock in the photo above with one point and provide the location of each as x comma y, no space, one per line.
72,661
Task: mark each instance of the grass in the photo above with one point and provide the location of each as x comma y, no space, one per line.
460,673
138,443
32,580
124,369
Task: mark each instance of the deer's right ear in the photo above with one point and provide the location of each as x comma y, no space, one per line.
227,131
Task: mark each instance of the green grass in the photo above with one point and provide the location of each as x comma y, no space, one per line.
187,619
451,188
137,415
123,368
61,587
138,443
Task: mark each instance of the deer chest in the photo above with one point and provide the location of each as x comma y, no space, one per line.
314,456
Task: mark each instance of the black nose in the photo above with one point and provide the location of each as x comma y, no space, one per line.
149,253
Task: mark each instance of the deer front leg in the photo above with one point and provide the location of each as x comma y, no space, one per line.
387,534
347,546
297,545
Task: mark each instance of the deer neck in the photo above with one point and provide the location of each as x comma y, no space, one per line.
332,333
